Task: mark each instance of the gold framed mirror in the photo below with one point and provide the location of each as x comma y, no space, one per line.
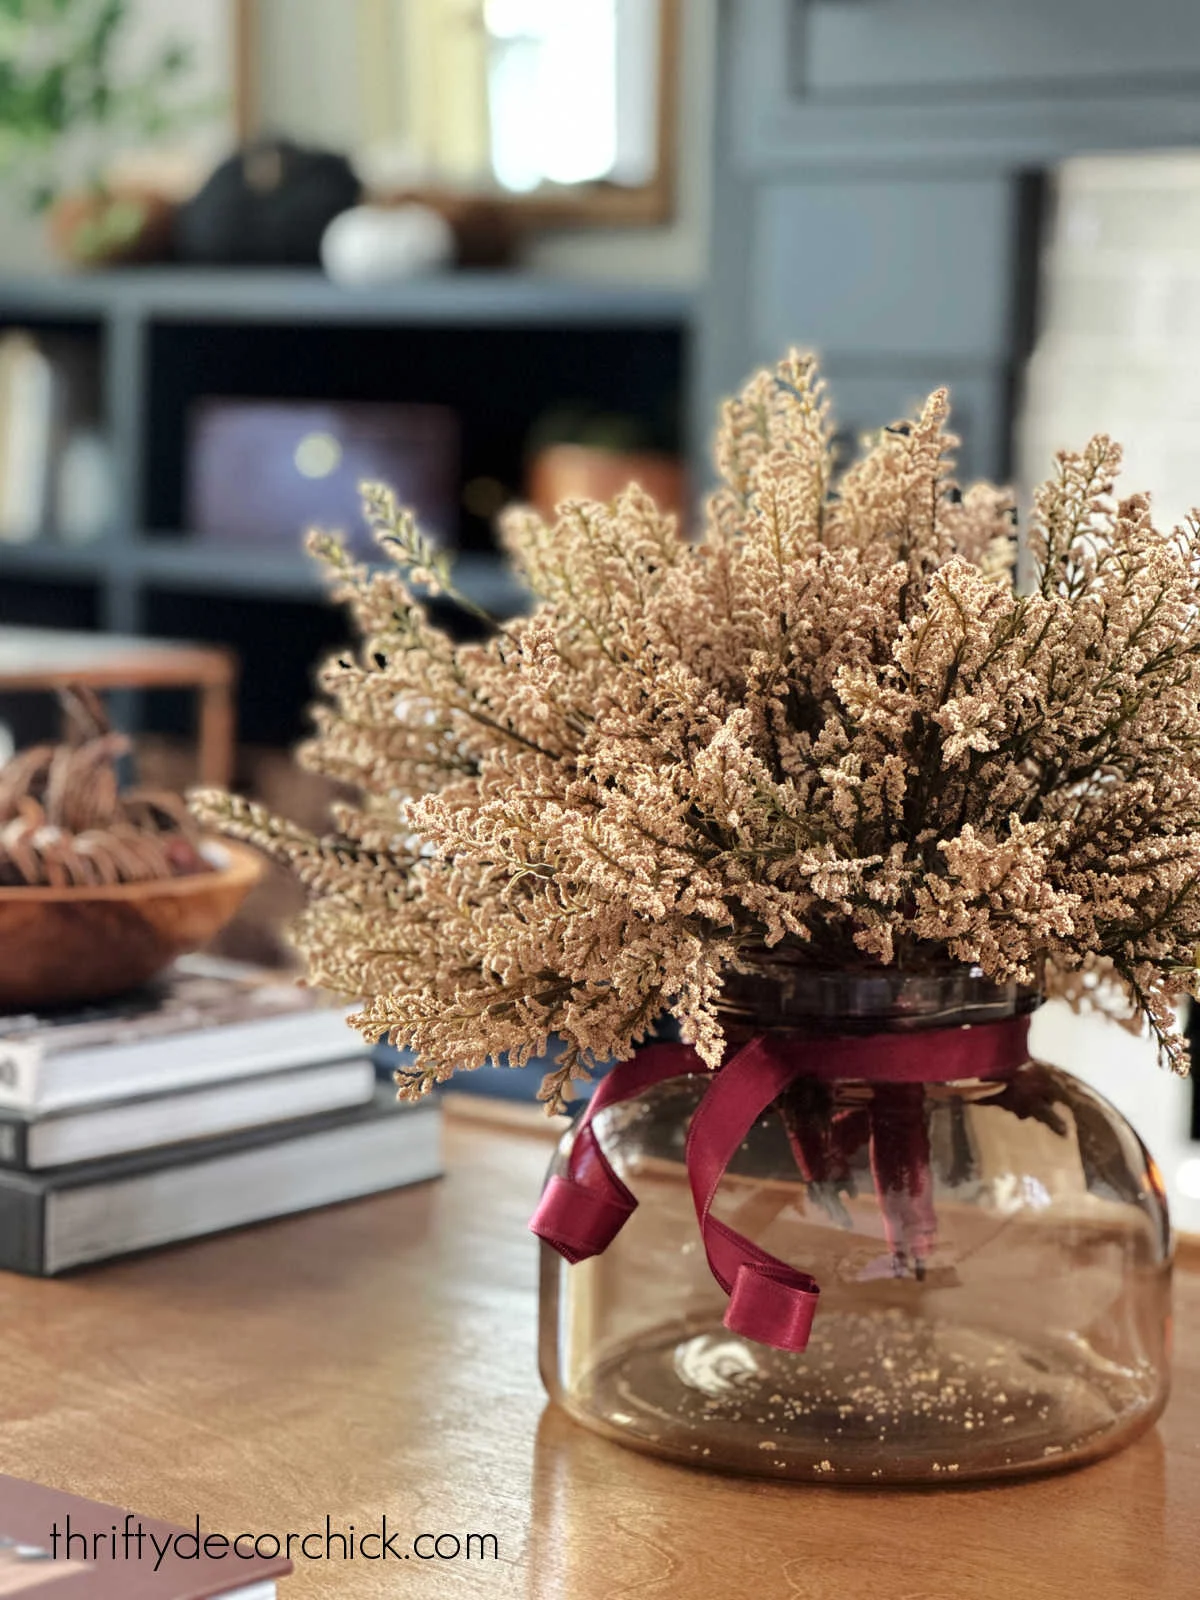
564,111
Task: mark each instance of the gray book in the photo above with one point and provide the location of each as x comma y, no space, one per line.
69,1216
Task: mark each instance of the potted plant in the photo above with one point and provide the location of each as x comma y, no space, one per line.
826,789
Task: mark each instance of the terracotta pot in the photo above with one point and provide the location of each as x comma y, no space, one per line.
69,945
587,472
110,227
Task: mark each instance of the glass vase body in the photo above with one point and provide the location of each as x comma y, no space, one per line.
1027,1330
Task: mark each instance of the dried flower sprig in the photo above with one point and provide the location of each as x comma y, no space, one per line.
832,724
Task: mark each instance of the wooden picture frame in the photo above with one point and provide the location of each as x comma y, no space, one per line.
594,204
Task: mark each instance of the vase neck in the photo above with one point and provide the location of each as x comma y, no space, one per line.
779,996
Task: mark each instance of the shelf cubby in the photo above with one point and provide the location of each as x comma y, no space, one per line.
501,349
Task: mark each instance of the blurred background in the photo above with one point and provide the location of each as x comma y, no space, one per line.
252,251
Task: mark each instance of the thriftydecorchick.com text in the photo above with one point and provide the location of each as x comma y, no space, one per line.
377,1541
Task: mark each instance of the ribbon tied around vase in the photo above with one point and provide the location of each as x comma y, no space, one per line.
582,1210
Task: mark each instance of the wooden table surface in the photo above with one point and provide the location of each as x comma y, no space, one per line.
379,1357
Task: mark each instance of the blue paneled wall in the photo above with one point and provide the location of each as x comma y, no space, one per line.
871,192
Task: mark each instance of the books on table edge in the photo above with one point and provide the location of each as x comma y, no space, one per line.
70,1217
206,1021
30,1512
33,1140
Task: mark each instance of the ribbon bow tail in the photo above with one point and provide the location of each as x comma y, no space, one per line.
582,1210
769,1301
773,1304
580,1220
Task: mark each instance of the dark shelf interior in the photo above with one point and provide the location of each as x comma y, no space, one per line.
49,603
500,382
279,642
503,351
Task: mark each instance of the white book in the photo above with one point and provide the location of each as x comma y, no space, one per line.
207,1021
33,1141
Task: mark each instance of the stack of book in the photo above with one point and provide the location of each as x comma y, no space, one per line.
220,1096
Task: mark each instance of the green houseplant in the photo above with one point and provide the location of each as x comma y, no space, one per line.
69,103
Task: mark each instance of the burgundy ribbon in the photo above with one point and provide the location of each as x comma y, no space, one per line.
582,1211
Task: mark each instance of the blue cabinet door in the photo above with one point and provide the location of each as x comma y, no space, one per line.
870,159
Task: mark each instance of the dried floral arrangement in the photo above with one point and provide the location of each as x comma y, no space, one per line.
832,723
64,819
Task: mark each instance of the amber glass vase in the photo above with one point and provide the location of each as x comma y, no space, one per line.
993,1256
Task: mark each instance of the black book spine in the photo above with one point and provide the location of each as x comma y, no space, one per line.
22,1225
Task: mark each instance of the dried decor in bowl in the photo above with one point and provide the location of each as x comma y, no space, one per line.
833,748
64,819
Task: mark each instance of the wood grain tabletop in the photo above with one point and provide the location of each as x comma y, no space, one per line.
378,1358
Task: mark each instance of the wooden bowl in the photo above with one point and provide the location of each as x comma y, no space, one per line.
65,946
